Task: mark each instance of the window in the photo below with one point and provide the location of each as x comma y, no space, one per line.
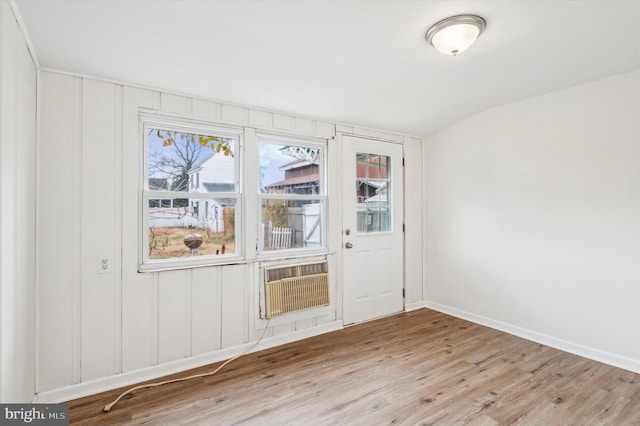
191,194
291,194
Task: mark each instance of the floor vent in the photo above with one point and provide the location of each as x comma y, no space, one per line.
296,288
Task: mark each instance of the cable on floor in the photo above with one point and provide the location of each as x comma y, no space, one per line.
108,407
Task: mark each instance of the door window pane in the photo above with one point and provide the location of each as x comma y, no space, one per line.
373,197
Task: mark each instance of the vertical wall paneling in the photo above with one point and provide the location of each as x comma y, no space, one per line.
335,292
277,330
235,115
174,303
155,315
174,103
205,311
234,306
97,325
100,323
304,324
17,212
334,216
413,219
260,119
139,291
8,197
116,211
218,295
26,216
254,303
206,110
283,122
188,341
75,236
58,237
425,231
305,126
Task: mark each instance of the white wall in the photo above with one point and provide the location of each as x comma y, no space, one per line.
100,331
532,219
17,211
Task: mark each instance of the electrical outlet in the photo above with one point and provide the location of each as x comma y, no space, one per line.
104,265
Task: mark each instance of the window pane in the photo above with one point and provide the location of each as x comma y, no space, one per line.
179,161
290,224
373,204
289,169
173,230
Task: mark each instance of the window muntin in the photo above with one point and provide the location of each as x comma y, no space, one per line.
291,194
191,195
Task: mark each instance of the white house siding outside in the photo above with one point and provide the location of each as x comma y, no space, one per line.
214,173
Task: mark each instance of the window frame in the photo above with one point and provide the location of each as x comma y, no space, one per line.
322,197
151,121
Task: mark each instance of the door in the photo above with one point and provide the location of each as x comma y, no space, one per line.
372,238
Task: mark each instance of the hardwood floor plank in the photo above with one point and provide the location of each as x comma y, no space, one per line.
421,367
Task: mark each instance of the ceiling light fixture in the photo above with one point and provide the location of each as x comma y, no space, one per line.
455,34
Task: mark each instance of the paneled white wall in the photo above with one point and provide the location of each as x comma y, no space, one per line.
413,221
17,212
533,219
104,330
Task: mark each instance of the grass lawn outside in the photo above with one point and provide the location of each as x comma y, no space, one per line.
168,243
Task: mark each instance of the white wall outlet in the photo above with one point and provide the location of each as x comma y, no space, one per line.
104,265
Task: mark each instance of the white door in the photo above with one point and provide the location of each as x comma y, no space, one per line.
372,239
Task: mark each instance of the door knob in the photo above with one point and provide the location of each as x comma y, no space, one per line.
348,245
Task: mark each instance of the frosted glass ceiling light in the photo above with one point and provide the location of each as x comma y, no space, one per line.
455,34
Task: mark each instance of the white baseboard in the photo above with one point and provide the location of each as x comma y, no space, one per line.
134,377
413,306
615,360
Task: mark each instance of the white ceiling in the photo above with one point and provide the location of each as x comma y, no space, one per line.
358,62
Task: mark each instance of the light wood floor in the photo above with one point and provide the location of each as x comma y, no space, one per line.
421,367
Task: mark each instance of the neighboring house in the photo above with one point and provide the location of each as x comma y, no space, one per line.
214,173
300,177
